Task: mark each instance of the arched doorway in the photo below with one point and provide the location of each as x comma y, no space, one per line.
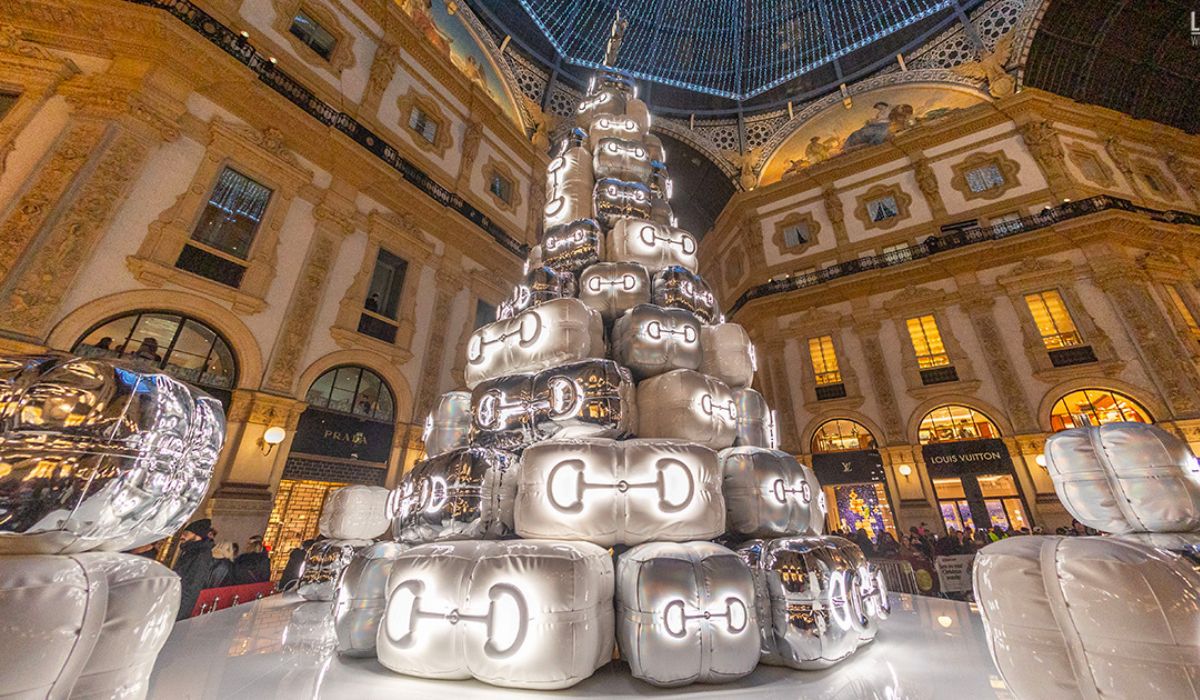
343,437
180,346
1099,405
973,476
850,469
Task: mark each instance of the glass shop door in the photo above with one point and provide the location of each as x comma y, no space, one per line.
986,499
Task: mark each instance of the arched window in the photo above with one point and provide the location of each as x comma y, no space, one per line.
840,435
955,422
182,347
1100,405
354,390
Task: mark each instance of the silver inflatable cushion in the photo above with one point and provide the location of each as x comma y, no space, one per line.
519,614
767,493
592,398
655,145
548,335
355,512
540,285
618,200
467,493
323,564
572,246
685,405
660,180
98,455
569,187
728,354
685,614
1126,477
607,101
361,598
755,421
678,287
1090,617
612,288
610,492
607,126
822,598
652,244
449,424
621,159
650,340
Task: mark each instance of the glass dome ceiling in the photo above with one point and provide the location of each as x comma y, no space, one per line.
734,49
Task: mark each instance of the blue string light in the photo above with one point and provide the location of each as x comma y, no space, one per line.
729,48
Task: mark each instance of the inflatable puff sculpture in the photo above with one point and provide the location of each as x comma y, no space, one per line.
598,403
97,457
353,517
1103,617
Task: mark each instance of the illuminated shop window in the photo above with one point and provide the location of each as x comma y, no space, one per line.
1100,406
1000,498
927,342
984,178
294,518
180,346
1184,311
955,422
860,506
840,435
824,360
354,390
1053,320
425,125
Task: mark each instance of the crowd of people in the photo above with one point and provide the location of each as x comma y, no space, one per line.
921,541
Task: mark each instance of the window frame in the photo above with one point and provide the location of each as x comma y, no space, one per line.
806,219
432,111
812,443
949,408
1060,424
917,355
362,370
826,353
254,234
902,200
1061,335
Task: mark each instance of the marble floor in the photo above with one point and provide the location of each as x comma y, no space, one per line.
283,647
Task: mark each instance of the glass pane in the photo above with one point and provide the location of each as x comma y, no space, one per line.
108,339
996,513
385,411
221,368
985,178
231,217
1101,406
838,435
862,506
318,393
345,385
883,208
485,313
997,485
313,35
947,489
151,338
950,516
188,356
964,512
387,282
367,399
1016,513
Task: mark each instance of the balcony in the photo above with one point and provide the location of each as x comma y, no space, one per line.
208,265
1078,355
828,392
939,375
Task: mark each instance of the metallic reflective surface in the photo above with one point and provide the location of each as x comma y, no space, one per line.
767,493
94,455
685,405
541,284
355,512
678,287
467,493
569,187
621,159
612,288
755,421
519,614
449,424
323,564
1090,617
611,492
617,200
728,354
360,600
1126,477
652,244
650,340
573,246
551,334
685,614
822,598
593,398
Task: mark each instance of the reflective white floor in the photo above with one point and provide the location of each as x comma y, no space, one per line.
282,647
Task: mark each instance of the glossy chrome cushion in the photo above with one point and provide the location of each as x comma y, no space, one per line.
768,493
361,597
466,493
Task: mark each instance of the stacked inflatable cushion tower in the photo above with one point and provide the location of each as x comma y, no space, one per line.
609,418
95,458
1103,617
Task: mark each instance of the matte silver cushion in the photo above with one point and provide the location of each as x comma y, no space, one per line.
1090,617
449,424
98,455
1126,477
569,187
355,512
612,288
467,493
650,340
755,421
519,614
548,335
686,614
323,564
685,405
607,126
610,492
728,354
652,244
767,493
607,101
678,287
361,598
621,159
822,598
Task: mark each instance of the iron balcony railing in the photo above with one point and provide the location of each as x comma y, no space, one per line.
959,239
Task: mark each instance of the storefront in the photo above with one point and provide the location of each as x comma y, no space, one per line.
972,472
852,477
343,437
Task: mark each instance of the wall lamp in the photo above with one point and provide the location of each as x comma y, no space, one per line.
905,471
271,437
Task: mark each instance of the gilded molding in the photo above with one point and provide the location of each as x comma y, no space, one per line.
1082,156
442,140
896,192
297,328
792,219
342,56
1008,168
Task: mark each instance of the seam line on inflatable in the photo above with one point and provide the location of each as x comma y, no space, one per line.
1048,554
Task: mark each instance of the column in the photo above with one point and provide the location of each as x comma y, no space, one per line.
1008,382
881,380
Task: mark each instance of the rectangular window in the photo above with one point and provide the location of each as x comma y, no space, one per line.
421,123
984,178
1053,320
387,281
314,36
1185,311
927,342
824,360
796,234
883,209
233,214
485,313
502,187
7,100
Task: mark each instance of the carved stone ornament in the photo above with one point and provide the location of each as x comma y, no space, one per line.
1008,168
342,55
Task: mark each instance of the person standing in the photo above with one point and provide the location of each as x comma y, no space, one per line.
194,565
221,573
253,565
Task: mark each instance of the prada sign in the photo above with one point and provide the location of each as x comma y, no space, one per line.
853,467
967,457
330,434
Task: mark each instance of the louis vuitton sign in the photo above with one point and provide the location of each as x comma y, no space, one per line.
852,467
967,457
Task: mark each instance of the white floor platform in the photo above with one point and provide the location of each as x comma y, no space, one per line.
282,647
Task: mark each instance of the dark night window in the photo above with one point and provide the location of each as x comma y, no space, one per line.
314,36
